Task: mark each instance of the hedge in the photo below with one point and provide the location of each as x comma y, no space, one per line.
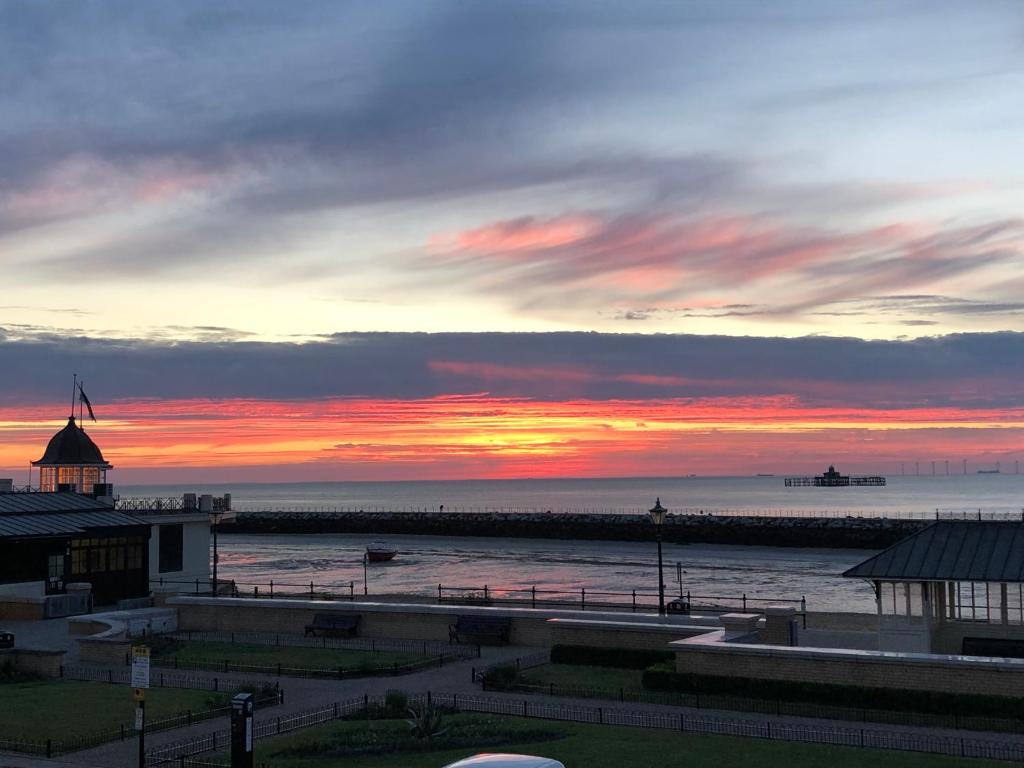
663,677
620,658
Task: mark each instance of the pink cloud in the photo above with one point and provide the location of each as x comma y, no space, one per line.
663,258
523,234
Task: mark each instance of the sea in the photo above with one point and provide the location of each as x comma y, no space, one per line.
762,574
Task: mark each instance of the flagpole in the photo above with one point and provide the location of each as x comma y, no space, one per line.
74,393
81,415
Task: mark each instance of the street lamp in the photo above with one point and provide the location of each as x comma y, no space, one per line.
658,513
216,515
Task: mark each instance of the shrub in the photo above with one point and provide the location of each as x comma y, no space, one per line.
396,703
499,678
620,658
9,673
425,722
162,645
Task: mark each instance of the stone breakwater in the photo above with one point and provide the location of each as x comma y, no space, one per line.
850,532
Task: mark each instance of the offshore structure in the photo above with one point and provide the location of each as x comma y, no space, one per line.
832,479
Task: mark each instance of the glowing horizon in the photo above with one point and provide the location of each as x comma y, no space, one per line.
483,437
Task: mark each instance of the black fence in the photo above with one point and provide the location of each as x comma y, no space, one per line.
850,736
772,707
727,702
158,678
54,747
422,647
227,666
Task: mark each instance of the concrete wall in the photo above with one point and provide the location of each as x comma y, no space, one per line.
195,560
707,655
24,589
610,634
531,627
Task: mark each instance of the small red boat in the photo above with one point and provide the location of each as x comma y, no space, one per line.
380,553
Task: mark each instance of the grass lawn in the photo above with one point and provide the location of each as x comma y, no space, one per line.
272,655
581,676
583,745
38,711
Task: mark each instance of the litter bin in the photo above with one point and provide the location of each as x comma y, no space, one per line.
679,605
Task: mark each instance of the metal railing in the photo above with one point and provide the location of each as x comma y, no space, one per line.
580,598
980,513
265,590
633,600
596,714
161,504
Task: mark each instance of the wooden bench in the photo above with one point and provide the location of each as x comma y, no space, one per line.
480,628
334,625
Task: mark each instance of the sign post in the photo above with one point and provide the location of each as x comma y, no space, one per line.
140,682
241,731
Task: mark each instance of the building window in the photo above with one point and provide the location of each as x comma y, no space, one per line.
171,548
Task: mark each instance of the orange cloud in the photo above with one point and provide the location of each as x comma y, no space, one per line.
488,437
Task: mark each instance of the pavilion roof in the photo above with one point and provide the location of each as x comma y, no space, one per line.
951,551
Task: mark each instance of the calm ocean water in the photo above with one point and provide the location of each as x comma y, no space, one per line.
425,561
921,494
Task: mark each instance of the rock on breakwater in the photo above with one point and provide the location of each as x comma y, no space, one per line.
836,533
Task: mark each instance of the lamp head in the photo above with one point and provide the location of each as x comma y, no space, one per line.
658,512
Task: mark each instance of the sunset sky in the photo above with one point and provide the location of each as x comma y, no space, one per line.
362,240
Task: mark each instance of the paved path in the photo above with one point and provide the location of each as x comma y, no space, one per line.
302,694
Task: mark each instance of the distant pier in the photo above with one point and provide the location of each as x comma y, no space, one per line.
832,479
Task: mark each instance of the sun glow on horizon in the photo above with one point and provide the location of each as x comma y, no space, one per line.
480,436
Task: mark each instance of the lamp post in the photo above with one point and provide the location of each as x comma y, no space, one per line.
215,518
658,513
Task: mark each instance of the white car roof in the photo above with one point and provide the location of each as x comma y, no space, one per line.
506,761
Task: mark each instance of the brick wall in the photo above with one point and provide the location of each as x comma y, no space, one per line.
102,651
949,637
21,610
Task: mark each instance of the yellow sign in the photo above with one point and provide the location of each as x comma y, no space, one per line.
138,694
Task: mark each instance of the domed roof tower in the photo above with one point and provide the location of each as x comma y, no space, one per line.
71,462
